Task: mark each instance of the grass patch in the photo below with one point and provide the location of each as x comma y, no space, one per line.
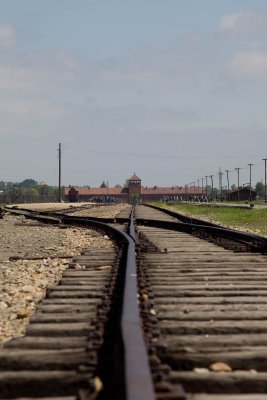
252,220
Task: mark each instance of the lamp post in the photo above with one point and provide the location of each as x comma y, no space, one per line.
265,194
211,177
227,174
59,173
250,165
220,184
238,169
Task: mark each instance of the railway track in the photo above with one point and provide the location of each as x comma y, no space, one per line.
60,352
208,307
203,310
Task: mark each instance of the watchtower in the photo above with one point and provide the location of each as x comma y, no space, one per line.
134,190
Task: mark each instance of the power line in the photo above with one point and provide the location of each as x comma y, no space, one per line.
182,157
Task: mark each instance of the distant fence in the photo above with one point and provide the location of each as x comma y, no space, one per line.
9,198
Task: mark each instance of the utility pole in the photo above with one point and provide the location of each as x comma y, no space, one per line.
59,173
250,165
220,183
227,174
238,169
192,189
211,177
202,179
265,194
206,176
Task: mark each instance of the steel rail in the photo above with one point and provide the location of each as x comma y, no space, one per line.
256,243
183,218
60,214
182,298
192,225
32,214
105,220
138,379
137,374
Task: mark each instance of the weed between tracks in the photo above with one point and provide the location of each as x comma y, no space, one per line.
252,220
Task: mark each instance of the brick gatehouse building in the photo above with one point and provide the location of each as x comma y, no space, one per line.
135,193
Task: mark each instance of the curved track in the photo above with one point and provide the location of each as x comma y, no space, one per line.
77,344
203,310
60,352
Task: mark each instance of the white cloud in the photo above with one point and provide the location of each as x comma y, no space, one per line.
34,77
246,25
235,22
18,78
248,64
24,115
7,35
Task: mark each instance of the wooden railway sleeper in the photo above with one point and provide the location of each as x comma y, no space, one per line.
143,245
163,388
231,243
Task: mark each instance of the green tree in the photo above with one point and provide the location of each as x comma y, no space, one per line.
259,187
135,198
28,183
208,189
103,185
31,192
6,185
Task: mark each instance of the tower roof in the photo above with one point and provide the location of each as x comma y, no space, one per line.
134,178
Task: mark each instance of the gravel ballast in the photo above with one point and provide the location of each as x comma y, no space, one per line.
23,282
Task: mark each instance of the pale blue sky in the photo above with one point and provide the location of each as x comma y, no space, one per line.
170,89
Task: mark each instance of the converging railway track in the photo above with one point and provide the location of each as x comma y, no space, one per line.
171,310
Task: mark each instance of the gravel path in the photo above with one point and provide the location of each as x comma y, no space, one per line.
23,283
102,211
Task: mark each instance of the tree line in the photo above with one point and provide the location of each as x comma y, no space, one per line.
28,187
